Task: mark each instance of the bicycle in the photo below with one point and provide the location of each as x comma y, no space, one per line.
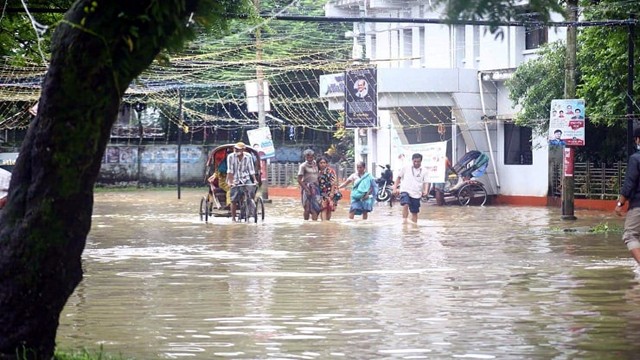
250,206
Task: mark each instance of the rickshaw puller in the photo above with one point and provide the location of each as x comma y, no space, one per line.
240,171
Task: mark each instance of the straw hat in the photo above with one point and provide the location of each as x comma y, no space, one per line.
240,145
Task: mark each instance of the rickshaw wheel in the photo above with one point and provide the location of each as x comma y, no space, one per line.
259,209
472,193
204,209
253,209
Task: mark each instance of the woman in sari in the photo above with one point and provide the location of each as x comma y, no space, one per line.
328,187
362,193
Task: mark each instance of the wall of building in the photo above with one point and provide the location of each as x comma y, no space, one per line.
158,164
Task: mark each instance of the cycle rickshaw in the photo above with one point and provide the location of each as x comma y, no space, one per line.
214,203
461,185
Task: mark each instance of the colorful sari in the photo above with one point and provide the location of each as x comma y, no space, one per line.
327,181
361,187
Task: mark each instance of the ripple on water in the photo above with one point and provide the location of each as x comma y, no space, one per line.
464,282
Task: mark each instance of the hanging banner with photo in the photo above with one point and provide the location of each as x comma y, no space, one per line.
260,140
361,98
434,157
566,122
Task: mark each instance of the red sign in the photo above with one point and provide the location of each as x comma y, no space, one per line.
576,124
567,161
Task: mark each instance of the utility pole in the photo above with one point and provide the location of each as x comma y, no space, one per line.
180,129
568,184
362,36
261,107
630,74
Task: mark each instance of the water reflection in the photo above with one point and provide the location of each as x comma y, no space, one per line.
492,282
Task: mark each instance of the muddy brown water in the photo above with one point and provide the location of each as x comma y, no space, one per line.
466,282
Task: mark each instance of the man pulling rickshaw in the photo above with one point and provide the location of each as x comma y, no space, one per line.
240,171
232,172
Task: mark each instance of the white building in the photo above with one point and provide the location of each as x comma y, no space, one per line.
431,74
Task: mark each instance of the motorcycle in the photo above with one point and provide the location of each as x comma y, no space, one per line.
385,184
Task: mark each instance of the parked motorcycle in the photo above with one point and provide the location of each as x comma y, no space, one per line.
385,184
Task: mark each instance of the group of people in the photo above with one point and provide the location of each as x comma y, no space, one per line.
320,192
318,187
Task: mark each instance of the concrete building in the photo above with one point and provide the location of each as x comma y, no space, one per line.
435,76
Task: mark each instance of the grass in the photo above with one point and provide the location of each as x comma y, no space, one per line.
85,354
604,228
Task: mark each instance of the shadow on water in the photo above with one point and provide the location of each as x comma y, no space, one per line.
468,282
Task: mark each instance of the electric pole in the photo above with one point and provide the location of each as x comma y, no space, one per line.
261,107
568,184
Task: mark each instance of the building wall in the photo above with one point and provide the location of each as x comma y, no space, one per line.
158,164
433,77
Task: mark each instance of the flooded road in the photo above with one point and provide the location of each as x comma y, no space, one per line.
466,282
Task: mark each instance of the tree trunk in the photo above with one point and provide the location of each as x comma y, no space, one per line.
97,51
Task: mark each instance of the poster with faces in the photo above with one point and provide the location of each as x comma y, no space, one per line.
567,122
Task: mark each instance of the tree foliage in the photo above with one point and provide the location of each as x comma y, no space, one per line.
603,59
496,11
602,82
19,40
533,92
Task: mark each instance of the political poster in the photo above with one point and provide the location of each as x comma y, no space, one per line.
567,122
260,140
361,98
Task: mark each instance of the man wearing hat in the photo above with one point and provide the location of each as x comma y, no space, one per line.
630,193
240,170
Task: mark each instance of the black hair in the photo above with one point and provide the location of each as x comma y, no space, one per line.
416,156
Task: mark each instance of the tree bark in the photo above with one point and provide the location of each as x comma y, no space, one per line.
96,52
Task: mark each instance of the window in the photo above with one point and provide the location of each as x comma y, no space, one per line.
517,145
535,35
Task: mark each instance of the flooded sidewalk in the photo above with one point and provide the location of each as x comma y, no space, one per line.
465,282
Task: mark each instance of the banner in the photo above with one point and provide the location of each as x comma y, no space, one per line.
433,159
260,140
361,98
566,122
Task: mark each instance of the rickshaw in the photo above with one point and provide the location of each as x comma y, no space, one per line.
214,203
461,185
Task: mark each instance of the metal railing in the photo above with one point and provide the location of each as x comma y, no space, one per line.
591,181
287,174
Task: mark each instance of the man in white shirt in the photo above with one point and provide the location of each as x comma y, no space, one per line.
413,185
240,171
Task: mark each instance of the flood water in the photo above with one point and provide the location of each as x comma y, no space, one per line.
466,282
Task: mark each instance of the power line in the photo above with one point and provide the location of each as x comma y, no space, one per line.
345,19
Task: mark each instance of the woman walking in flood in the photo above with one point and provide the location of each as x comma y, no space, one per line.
327,180
362,193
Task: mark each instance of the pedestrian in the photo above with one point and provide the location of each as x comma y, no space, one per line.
240,171
363,192
309,189
630,193
413,186
327,180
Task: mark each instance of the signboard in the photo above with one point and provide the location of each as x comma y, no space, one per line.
433,158
566,123
251,87
332,85
361,98
260,140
